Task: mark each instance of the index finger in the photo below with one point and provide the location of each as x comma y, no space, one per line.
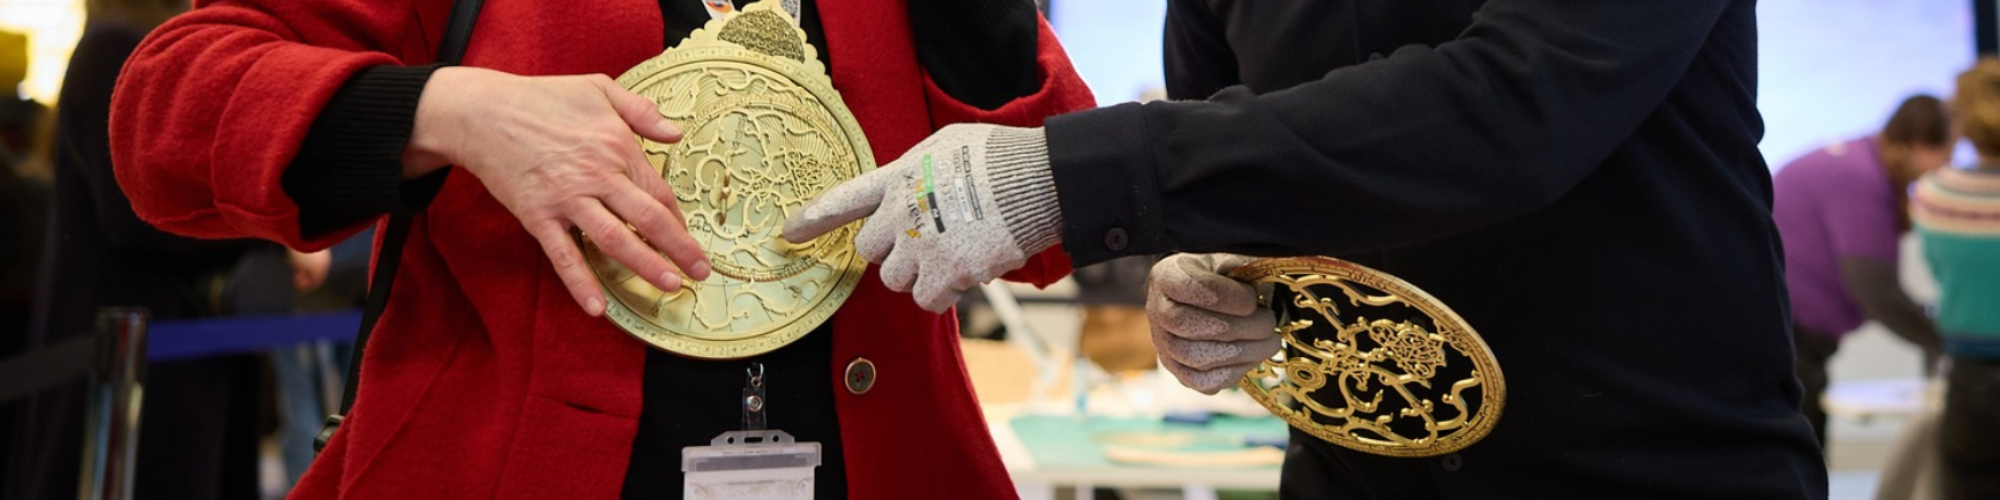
848,202
640,113
663,229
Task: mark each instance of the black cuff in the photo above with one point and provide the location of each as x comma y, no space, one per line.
1105,182
980,52
350,167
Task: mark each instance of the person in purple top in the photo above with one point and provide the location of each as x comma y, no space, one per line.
1841,211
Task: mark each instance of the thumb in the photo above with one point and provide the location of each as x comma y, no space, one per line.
848,202
1196,280
642,114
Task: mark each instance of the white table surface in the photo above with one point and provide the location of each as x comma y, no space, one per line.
1022,467
1889,397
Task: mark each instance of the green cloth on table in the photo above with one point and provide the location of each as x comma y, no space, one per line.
1063,441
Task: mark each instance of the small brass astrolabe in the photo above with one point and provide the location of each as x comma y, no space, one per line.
765,132
1370,362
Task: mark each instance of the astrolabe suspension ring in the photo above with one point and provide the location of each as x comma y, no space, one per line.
1370,362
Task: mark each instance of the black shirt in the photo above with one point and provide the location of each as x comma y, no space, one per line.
689,401
1579,180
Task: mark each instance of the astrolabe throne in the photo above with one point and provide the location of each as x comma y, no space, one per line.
764,133
1370,362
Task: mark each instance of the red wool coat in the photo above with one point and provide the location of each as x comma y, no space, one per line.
485,379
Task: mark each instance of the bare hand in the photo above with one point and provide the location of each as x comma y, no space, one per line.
559,152
308,269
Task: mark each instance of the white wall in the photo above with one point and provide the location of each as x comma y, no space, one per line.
1835,69
1828,69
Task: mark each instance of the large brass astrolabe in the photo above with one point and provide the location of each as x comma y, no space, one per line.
1370,362
764,133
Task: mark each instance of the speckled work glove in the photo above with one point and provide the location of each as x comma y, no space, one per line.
1208,328
962,207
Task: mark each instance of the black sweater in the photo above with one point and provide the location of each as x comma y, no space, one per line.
1578,179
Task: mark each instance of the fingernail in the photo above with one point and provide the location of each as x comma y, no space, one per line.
593,306
672,280
667,127
699,270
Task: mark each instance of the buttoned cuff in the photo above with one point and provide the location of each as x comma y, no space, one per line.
1104,173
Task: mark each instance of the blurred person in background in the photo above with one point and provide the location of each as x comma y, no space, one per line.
24,196
308,375
1957,215
18,115
201,415
24,212
1841,211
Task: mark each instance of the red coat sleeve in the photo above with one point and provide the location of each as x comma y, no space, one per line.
216,102
1062,91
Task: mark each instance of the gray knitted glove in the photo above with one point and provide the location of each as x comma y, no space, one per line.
1208,328
962,207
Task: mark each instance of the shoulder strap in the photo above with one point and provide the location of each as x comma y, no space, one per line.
451,50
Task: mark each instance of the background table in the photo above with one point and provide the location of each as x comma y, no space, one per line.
1045,452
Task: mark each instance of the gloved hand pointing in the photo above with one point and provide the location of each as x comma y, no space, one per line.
962,207
1208,328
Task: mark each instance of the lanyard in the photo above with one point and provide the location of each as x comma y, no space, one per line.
753,397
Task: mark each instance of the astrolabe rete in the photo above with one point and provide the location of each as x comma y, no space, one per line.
1370,362
764,132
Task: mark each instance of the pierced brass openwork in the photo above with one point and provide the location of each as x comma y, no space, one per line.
1372,363
765,132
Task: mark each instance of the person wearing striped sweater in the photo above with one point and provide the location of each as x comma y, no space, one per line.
1957,214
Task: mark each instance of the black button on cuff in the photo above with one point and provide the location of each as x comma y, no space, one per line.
1116,240
1452,462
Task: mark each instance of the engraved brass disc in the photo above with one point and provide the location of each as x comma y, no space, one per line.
764,132
1371,363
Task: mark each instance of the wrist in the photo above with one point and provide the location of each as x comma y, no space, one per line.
1024,186
432,144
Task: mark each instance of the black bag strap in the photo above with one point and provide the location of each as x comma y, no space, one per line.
451,50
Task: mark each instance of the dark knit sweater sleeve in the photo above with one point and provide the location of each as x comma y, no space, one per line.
1428,142
350,167
981,52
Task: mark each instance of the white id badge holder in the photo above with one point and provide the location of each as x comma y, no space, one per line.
751,464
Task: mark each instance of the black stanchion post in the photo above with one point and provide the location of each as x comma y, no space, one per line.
111,428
